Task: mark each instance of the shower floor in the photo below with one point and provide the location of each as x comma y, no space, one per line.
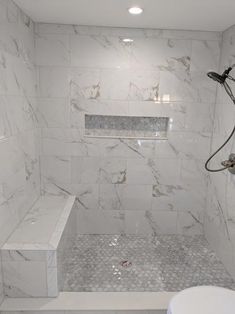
138,263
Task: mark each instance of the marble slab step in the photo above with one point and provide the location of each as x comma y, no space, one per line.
34,254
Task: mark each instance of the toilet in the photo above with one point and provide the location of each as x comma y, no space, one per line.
203,300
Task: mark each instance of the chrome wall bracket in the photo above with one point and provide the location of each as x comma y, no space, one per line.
230,163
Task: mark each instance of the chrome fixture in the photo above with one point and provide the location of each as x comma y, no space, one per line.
222,79
229,164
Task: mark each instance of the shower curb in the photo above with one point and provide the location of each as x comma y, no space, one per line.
92,302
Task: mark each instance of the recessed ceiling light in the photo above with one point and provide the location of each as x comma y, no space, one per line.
135,10
127,40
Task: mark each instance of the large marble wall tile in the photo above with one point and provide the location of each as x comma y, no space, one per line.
215,209
124,197
189,224
205,55
26,284
18,115
113,171
85,170
85,83
83,146
115,83
179,197
127,148
192,172
223,122
111,196
144,85
56,141
166,171
79,107
141,171
87,195
150,222
169,53
50,166
11,158
24,182
53,112
97,170
50,186
99,51
9,218
17,39
190,144
53,82
52,50
199,117
101,222
137,197
17,76
138,222
190,87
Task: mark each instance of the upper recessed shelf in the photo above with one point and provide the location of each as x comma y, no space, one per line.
126,126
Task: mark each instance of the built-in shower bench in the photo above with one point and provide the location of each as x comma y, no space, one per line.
34,255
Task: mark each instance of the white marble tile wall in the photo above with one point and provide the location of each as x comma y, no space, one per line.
220,214
19,158
132,186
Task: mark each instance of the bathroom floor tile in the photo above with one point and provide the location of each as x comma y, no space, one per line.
142,263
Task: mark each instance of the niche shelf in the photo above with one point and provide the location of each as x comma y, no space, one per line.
126,127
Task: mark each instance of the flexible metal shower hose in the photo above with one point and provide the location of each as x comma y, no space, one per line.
216,152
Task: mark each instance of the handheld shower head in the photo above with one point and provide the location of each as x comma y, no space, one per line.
220,78
217,77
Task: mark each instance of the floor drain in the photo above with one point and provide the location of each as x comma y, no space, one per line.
126,264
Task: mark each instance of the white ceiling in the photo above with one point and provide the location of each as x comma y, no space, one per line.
211,15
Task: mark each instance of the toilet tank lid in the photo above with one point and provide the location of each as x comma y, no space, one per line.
203,300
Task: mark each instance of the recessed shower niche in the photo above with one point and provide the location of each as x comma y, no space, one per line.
126,126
